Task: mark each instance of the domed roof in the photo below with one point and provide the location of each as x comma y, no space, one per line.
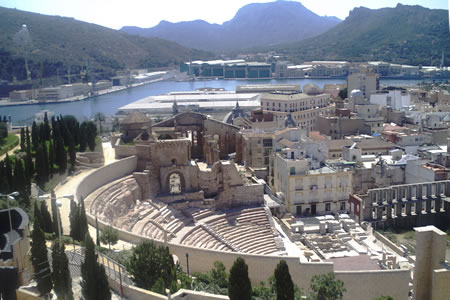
312,89
356,93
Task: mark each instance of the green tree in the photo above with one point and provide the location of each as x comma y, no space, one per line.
22,139
35,136
147,256
219,274
3,130
284,286
46,224
84,229
39,259
46,128
62,281
343,93
9,173
21,183
91,134
109,236
51,158
326,287
94,283
74,221
27,139
72,151
239,285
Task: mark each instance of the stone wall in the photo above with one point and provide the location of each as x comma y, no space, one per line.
105,175
374,284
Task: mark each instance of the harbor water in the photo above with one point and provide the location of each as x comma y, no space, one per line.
108,104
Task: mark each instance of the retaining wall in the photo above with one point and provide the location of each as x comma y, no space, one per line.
359,284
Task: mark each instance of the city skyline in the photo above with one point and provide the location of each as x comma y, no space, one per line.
139,13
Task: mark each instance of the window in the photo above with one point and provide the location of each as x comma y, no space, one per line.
327,207
292,171
342,206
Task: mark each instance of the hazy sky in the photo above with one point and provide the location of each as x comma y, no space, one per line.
148,13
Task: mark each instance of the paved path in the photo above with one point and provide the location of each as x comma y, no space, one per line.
68,188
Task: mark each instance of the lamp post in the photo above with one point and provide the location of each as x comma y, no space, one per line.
8,198
58,205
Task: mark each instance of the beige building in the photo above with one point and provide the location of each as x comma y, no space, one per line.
367,83
304,109
308,188
368,146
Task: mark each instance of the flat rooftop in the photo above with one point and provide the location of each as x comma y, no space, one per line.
203,100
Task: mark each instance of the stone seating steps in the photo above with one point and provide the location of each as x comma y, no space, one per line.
105,191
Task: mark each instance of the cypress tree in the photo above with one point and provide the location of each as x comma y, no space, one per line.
34,136
4,188
22,139
39,259
91,134
84,229
41,130
284,286
37,214
9,174
72,151
46,224
45,163
40,172
74,218
61,154
51,158
239,285
27,138
29,166
46,127
21,184
61,278
94,283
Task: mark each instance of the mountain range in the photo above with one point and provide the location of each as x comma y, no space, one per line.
256,24
52,44
403,34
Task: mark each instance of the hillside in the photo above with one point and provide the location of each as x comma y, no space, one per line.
404,34
56,42
257,24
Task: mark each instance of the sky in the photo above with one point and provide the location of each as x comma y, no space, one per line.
148,13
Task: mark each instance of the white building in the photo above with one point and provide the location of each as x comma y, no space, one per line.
308,187
394,99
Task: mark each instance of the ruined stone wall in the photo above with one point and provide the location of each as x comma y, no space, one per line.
227,136
165,153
